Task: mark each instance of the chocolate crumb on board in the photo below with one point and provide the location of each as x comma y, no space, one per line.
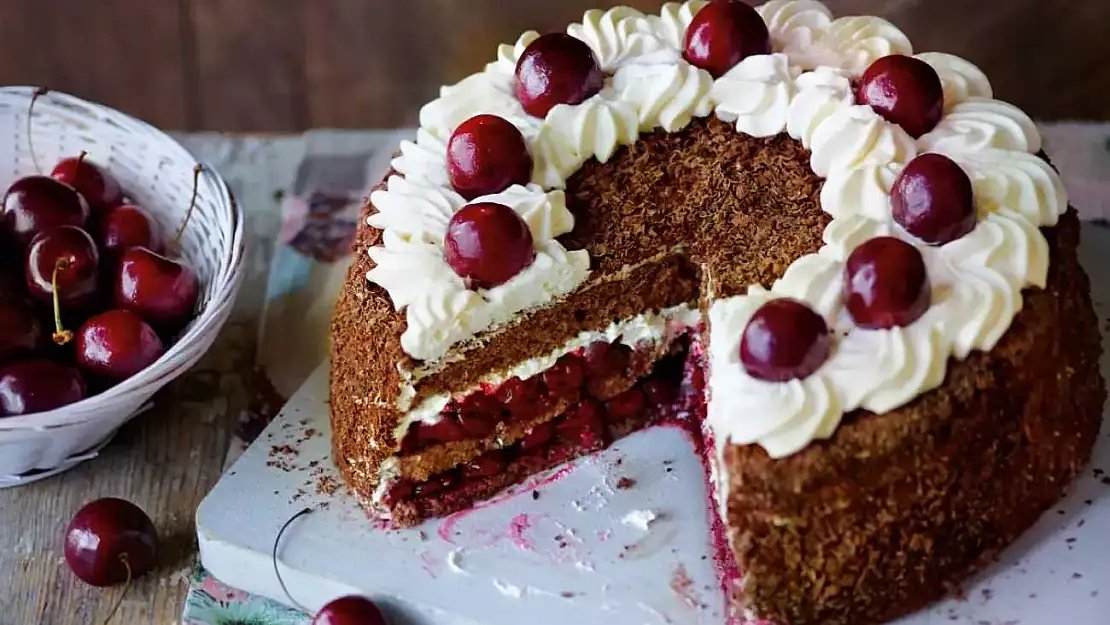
327,484
625,483
535,495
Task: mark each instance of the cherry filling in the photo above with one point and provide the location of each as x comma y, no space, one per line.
588,425
597,371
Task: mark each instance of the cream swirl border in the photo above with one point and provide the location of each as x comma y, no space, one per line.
804,88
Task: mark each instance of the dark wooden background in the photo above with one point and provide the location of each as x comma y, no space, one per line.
285,65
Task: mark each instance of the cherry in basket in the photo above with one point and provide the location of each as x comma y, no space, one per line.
35,204
160,289
32,386
99,188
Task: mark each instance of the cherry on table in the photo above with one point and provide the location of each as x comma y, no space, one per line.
63,262
487,244
933,199
351,610
161,290
723,33
125,226
904,91
784,340
36,204
20,330
886,284
116,345
556,69
99,188
33,386
110,541
486,155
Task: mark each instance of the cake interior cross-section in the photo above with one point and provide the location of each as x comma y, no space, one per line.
837,263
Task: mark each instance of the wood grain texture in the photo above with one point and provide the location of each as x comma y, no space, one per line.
255,50
127,54
165,461
256,65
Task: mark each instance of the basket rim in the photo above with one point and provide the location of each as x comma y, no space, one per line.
226,281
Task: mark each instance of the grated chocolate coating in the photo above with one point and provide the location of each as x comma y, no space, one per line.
872,524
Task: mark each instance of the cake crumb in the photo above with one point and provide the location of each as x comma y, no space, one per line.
625,483
535,495
641,519
509,590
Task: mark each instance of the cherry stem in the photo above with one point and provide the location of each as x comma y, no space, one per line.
40,91
123,593
192,204
273,556
77,168
61,335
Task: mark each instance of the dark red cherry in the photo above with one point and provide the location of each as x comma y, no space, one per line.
116,345
125,226
520,397
32,386
487,465
111,541
478,414
401,490
784,340
584,423
99,188
67,257
723,33
556,69
904,91
886,284
628,405
660,391
606,359
564,380
160,290
351,610
20,330
487,244
446,430
539,436
486,155
36,204
436,484
932,199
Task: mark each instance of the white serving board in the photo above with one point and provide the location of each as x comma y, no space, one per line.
569,556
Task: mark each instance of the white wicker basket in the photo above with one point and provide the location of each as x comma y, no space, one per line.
157,173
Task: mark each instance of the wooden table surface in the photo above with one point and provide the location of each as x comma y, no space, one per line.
168,458
165,461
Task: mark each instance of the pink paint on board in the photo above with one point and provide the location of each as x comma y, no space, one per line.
517,528
446,529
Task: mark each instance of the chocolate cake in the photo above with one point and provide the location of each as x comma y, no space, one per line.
847,270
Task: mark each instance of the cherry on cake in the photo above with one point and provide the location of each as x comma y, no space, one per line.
844,266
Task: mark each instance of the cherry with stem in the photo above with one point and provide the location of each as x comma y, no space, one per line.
61,336
274,557
40,91
176,244
125,561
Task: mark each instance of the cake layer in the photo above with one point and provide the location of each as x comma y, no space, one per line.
895,509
